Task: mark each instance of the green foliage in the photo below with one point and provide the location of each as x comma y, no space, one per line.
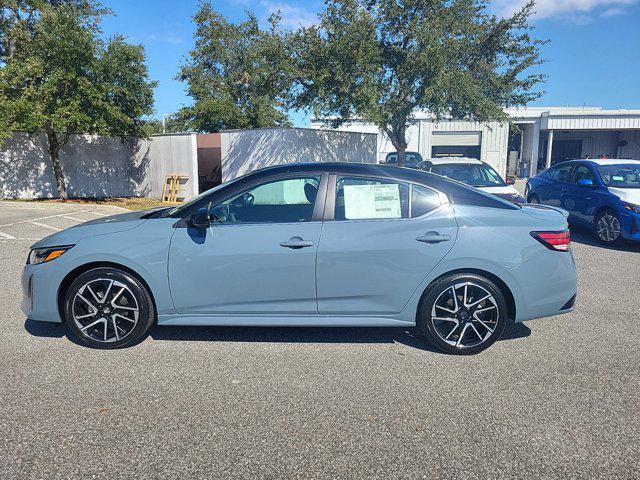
62,78
380,60
171,125
65,79
238,74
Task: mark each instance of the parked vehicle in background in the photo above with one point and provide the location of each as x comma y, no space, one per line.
475,173
411,159
311,245
603,195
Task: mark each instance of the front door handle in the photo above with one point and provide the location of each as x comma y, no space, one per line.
296,242
433,237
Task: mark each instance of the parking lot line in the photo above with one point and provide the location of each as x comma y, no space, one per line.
44,225
7,236
74,219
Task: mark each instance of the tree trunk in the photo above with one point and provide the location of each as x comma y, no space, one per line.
54,153
400,144
401,156
59,174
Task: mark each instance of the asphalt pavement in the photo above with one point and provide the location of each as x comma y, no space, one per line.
556,398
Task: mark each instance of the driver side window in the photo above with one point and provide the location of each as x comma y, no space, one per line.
289,200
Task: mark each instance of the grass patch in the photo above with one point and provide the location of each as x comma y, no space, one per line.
130,203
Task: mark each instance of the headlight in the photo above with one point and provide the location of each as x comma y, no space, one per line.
631,207
43,255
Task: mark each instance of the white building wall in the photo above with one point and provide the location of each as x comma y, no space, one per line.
494,138
96,166
243,151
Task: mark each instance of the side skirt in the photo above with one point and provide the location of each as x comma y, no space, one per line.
282,321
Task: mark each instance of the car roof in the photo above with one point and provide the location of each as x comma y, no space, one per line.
445,160
612,161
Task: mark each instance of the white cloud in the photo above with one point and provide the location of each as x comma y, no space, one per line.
293,16
573,10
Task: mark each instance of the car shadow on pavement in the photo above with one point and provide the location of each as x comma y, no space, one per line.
410,337
585,236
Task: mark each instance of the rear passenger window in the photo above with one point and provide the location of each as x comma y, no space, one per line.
359,198
423,200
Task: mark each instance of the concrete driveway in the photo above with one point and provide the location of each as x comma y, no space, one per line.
557,398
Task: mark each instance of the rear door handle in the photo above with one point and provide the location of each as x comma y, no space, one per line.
433,237
296,242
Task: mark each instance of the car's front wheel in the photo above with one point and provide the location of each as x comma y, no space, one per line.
108,308
606,226
533,198
463,314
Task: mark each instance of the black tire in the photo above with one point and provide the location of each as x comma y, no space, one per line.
492,323
533,198
128,311
608,236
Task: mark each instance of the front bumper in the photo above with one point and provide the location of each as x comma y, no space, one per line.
40,285
630,225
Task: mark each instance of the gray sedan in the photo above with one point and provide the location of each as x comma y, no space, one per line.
311,245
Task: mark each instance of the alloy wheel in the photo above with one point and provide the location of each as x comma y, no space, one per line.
105,310
465,315
608,227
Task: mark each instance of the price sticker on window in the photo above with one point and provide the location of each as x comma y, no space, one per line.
372,201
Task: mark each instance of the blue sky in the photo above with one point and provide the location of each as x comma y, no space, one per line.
593,58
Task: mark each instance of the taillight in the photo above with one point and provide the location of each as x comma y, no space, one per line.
554,240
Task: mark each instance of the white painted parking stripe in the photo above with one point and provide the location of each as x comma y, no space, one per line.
73,218
41,218
44,225
7,236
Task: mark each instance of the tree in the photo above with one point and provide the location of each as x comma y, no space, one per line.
63,79
17,18
238,74
380,60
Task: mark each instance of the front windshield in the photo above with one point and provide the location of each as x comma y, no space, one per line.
621,176
476,175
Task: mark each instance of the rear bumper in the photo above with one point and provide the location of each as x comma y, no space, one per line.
549,285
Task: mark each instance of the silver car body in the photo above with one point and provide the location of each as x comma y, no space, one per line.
353,273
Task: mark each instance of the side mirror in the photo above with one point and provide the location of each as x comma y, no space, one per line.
200,218
510,181
585,182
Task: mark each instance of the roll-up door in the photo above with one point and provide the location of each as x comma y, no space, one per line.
463,139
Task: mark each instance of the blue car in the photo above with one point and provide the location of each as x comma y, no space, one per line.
310,245
603,195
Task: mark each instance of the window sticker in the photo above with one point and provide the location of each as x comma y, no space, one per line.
618,178
372,201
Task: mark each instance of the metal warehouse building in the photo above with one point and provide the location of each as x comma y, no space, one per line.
537,137
553,134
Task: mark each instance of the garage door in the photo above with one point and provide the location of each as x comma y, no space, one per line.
463,139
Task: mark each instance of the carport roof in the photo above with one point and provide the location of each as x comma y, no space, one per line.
577,118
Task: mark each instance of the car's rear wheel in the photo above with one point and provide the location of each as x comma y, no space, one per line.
108,308
607,228
533,198
463,314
